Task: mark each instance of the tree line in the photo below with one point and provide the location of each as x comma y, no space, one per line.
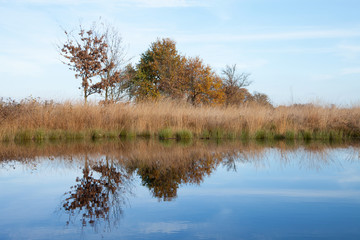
98,57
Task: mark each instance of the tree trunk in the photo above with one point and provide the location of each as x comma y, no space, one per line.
85,95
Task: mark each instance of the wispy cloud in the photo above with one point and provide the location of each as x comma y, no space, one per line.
351,48
136,3
167,3
306,193
164,227
354,70
349,52
293,35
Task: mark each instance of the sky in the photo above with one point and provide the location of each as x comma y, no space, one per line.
297,51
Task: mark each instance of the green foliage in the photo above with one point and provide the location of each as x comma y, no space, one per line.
163,72
159,71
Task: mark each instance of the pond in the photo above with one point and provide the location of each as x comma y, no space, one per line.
169,190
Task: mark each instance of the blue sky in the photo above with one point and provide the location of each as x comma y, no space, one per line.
295,50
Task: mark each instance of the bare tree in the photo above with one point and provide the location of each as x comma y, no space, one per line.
261,99
233,79
113,80
234,85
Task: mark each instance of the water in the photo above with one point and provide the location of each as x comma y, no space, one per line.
150,190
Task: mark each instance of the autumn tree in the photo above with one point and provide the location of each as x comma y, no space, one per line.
160,71
235,85
202,85
86,54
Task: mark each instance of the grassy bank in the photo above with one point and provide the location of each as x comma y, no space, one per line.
40,121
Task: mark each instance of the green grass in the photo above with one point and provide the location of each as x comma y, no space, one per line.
96,134
306,135
6,138
111,134
279,136
23,135
55,135
69,135
245,135
145,134
205,134
165,133
183,134
39,135
217,133
231,135
260,135
127,134
290,135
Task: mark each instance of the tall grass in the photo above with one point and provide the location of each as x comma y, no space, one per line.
38,121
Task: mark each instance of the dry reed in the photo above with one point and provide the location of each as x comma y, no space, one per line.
41,120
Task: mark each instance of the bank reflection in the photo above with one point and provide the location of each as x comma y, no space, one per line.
100,194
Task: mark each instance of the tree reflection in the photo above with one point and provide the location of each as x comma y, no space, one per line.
99,194
163,180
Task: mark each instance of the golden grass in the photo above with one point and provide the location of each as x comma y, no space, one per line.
36,120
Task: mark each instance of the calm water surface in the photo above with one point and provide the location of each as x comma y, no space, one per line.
147,190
